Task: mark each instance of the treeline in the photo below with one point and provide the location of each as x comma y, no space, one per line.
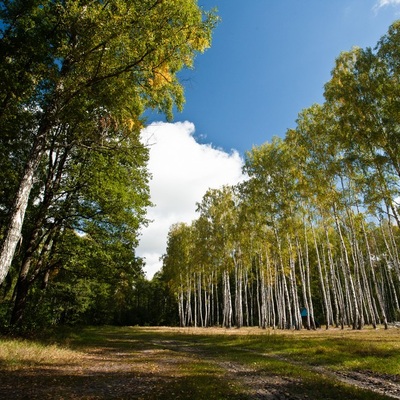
76,78
312,236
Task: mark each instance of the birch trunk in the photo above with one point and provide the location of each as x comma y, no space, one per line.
181,309
195,300
304,286
12,234
227,312
286,296
293,287
25,282
245,295
270,299
200,299
189,314
356,315
321,278
332,273
238,293
390,260
378,293
263,310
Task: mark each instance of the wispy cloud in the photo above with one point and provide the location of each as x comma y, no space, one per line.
183,170
384,3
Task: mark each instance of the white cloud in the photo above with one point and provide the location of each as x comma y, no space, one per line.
384,3
183,170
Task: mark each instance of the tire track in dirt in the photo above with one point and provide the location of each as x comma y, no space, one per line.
145,373
377,383
263,386
260,386
256,384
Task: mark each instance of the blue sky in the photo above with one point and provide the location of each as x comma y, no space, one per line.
269,60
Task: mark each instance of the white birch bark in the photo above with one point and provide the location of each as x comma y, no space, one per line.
356,316
321,278
12,235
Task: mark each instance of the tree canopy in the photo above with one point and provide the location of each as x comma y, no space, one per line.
76,78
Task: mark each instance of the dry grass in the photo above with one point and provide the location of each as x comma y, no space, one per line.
16,353
379,333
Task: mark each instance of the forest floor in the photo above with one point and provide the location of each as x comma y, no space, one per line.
173,363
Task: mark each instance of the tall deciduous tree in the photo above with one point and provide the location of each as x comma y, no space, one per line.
102,194
364,96
63,63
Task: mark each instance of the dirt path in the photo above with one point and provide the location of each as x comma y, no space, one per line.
159,370
274,387
255,385
378,383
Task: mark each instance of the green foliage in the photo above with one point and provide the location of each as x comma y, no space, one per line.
76,79
152,304
121,56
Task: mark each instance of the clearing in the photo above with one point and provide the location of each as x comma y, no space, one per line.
210,363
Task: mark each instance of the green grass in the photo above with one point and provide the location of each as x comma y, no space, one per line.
192,363
369,350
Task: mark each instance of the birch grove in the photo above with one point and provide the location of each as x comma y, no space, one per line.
312,237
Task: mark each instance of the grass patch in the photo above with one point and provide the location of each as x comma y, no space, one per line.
370,350
16,353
